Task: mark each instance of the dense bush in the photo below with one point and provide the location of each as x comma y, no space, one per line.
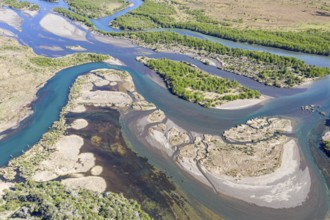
17,4
94,8
52,200
190,83
283,63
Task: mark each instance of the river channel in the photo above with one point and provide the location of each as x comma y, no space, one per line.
286,103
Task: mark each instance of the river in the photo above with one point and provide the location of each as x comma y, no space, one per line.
286,102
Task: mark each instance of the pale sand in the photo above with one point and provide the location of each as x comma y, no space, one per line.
59,26
112,40
79,109
159,140
242,103
11,18
94,183
114,61
306,84
79,124
66,160
6,33
97,170
287,187
53,48
13,124
326,136
105,98
76,48
30,13
5,185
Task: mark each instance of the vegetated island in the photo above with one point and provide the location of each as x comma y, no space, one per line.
257,162
187,15
270,69
20,64
197,86
78,154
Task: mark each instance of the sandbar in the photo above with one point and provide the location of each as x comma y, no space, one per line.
11,18
59,26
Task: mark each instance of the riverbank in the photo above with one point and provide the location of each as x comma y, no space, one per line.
240,104
34,71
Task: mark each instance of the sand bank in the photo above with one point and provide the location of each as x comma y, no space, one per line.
94,183
59,26
114,61
76,48
30,13
125,43
6,33
52,48
79,124
11,18
243,103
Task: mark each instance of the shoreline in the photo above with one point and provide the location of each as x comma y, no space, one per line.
244,103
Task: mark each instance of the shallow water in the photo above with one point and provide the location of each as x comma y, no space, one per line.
287,102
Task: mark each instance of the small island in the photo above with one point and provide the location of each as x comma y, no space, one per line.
194,85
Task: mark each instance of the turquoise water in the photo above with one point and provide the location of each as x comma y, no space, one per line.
287,102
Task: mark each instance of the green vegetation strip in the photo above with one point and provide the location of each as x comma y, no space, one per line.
280,71
74,16
96,8
153,14
52,200
192,84
20,5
